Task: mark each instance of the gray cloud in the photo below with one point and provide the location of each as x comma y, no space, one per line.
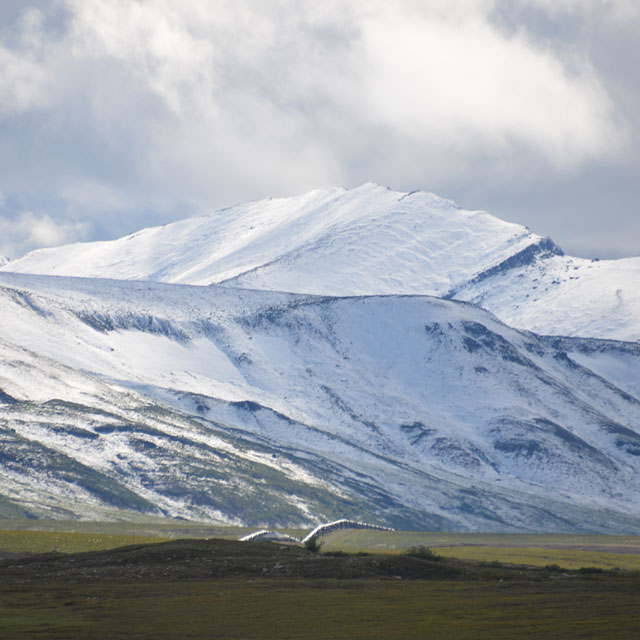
592,210
117,115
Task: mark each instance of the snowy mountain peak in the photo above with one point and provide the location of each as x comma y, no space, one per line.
372,240
330,241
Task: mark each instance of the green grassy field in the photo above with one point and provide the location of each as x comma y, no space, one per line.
536,550
385,541
150,527
540,557
67,542
348,610
496,602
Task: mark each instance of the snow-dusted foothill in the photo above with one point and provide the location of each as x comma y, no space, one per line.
119,398
373,241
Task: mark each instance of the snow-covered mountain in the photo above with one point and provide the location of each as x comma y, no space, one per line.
373,241
332,369
261,407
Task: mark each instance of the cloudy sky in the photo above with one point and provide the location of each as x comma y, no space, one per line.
120,114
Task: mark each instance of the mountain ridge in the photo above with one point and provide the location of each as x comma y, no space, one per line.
367,241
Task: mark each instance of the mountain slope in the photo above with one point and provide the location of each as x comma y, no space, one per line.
372,241
561,295
270,408
338,239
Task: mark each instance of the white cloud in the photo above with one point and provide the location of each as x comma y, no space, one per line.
23,71
31,230
262,79
463,86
